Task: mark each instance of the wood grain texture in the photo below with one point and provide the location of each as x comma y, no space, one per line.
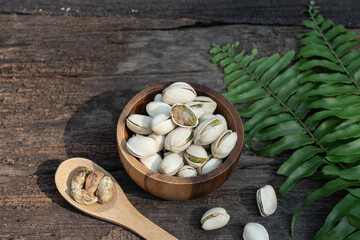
269,12
64,82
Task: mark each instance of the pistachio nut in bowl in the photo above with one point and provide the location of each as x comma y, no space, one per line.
178,186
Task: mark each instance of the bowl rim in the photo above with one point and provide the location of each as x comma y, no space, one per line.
228,162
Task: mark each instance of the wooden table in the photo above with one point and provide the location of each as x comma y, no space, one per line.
67,69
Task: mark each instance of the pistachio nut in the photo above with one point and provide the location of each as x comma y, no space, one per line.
179,139
196,156
162,124
187,171
83,196
105,190
215,218
155,108
152,162
266,200
255,231
78,179
222,147
197,107
178,92
139,124
159,139
93,180
208,131
183,116
209,105
141,146
210,165
171,164
158,97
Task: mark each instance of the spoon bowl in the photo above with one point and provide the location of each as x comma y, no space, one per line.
118,211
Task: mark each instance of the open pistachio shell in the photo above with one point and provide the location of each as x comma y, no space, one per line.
155,108
210,165
152,162
79,178
83,196
215,218
158,97
139,124
179,139
105,190
222,147
183,116
196,156
141,146
255,231
159,139
197,107
178,92
187,171
162,124
208,131
209,105
266,200
171,164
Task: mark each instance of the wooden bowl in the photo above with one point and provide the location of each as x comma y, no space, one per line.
171,187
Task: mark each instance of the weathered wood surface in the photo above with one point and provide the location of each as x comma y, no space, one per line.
267,12
63,83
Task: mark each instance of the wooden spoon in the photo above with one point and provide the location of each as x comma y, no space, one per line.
118,211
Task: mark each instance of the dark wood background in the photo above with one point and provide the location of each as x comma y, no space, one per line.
67,68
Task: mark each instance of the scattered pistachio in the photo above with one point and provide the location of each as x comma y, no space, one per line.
266,200
215,218
255,231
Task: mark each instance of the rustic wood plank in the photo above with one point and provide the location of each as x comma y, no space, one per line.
289,12
58,71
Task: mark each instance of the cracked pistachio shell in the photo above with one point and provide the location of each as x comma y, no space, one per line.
179,139
105,190
152,162
208,131
93,180
167,152
83,196
210,165
197,107
159,139
196,156
171,164
222,119
266,200
187,171
141,146
79,178
178,92
222,147
155,108
206,116
209,105
158,97
139,124
183,116
215,218
255,231
162,124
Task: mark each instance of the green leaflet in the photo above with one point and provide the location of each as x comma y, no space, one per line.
349,174
343,229
352,218
347,149
354,191
354,236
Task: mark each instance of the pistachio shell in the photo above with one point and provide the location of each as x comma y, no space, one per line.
197,107
171,164
152,162
155,108
162,124
187,171
93,180
222,147
215,218
159,139
83,196
209,105
178,92
179,139
158,97
208,131
210,165
266,200
183,116
78,179
222,119
255,231
105,190
206,116
139,124
196,156
141,146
